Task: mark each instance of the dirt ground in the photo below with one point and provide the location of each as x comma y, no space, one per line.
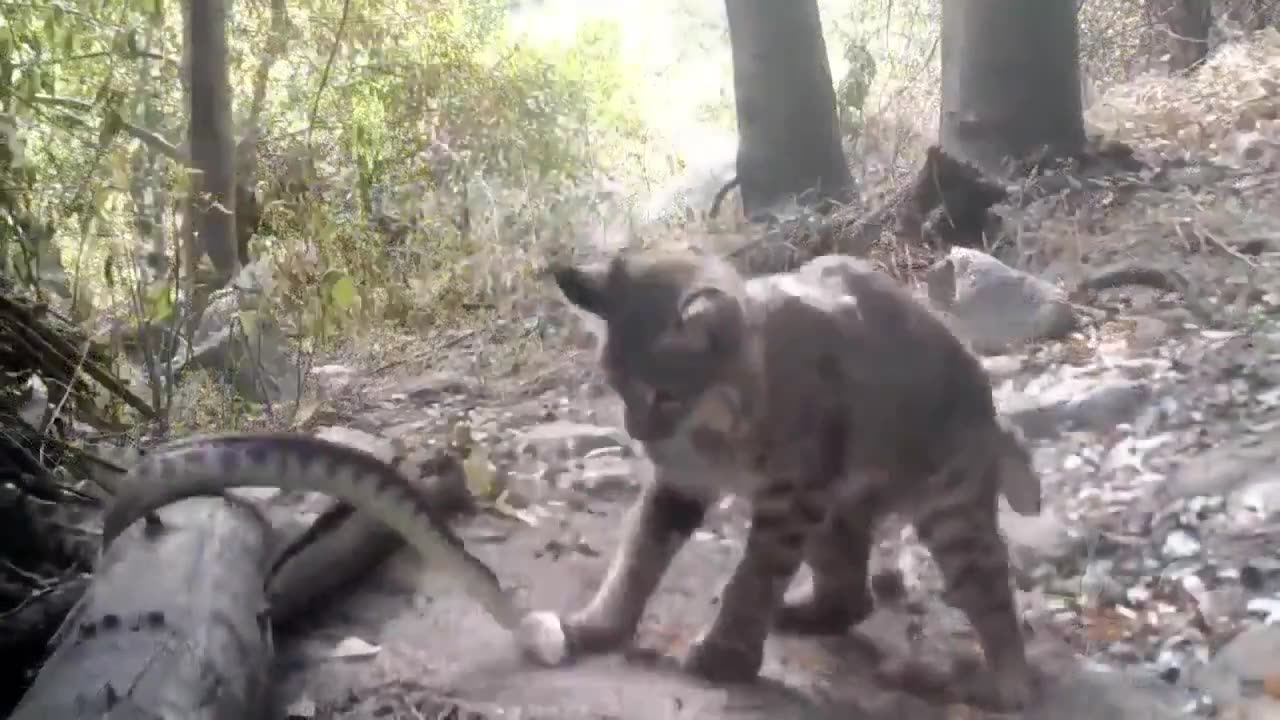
408,645
1151,579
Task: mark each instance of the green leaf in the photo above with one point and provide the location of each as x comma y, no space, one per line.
340,289
158,302
248,323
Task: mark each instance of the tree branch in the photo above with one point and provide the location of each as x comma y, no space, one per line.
147,137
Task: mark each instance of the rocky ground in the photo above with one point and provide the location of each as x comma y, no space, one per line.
1151,579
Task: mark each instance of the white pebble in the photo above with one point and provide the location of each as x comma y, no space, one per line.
1180,544
541,637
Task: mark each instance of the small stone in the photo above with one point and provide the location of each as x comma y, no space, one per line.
1138,596
1242,663
1265,608
1253,575
574,439
608,478
1180,544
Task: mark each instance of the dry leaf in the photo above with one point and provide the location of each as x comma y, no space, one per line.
482,474
1271,685
354,647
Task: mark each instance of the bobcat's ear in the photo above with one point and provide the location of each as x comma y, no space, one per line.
585,287
712,319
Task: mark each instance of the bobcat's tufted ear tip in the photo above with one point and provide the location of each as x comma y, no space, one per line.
583,287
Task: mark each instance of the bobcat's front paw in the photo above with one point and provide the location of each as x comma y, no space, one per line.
551,640
590,634
724,660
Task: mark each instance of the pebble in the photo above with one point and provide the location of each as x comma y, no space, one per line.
1180,544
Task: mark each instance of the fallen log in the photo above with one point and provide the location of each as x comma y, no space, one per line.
172,626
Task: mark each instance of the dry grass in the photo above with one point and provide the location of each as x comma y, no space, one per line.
1227,112
1225,116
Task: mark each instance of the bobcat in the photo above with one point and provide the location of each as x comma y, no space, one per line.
828,397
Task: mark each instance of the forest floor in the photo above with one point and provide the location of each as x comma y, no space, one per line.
1153,571
1151,579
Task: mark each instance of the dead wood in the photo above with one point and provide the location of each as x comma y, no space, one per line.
25,631
344,545
1156,278
171,626
721,194
948,202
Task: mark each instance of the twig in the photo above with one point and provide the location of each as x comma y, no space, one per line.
46,346
328,66
1211,239
53,411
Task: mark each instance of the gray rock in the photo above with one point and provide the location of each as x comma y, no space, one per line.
1232,465
995,307
1260,497
1093,409
570,439
609,478
1036,539
434,387
259,363
1234,676
1148,332
1082,693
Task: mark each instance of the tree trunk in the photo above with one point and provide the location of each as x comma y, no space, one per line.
209,135
1252,15
1182,28
172,625
1010,80
788,132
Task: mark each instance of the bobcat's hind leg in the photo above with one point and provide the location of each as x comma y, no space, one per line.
960,530
838,597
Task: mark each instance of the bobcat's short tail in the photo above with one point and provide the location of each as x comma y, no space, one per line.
1019,481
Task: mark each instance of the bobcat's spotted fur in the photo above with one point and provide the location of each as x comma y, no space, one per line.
828,397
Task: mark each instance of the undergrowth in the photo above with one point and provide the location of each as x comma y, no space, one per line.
417,167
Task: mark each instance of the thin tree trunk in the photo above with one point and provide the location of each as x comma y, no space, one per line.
1010,80
1183,26
210,137
788,131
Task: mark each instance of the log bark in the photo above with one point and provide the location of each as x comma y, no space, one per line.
172,626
